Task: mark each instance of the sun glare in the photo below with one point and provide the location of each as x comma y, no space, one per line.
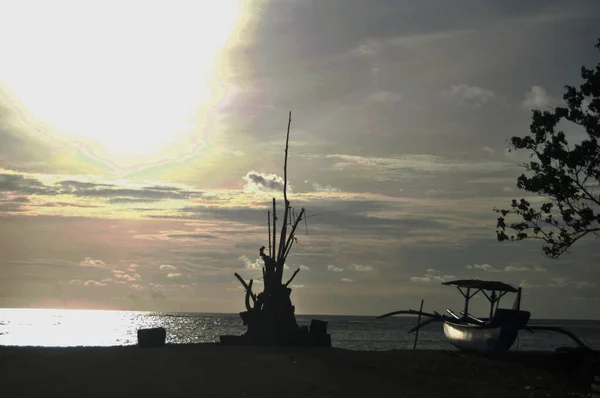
129,75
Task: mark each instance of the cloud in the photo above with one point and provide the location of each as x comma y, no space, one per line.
560,282
93,283
304,268
249,264
489,150
132,200
362,268
568,282
298,286
137,287
120,192
465,95
157,291
123,276
347,280
192,236
76,282
333,268
167,267
132,267
537,97
19,183
322,188
428,278
259,182
483,267
411,166
89,262
522,268
525,284
173,275
508,268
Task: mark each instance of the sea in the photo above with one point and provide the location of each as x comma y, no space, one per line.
67,328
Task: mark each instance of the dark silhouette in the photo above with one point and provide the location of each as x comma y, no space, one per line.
567,176
270,315
153,337
492,335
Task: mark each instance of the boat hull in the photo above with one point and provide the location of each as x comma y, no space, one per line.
496,336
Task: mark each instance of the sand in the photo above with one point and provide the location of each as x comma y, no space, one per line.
212,370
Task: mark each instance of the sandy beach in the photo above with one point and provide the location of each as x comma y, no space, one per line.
212,370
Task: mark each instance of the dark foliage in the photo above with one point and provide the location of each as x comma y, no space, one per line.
566,176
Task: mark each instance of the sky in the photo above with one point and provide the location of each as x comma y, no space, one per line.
141,144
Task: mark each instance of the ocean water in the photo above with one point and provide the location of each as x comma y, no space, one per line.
52,328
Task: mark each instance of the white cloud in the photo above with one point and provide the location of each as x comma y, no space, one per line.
463,94
137,287
132,267
93,283
322,188
524,284
249,264
333,268
75,282
304,268
483,267
362,268
537,97
259,182
427,278
508,268
348,280
167,267
522,268
123,276
298,286
88,262
173,275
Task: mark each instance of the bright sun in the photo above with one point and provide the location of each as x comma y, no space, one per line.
128,74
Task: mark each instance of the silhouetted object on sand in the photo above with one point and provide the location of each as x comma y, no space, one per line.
485,335
596,386
270,316
154,337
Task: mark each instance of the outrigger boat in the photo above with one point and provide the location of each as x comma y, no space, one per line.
496,333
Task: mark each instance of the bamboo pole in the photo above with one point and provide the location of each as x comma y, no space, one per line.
287,244
269,226
418,323
293,276
274,228
285,200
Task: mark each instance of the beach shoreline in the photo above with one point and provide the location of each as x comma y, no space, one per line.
215,370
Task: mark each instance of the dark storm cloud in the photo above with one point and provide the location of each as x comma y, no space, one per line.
24,185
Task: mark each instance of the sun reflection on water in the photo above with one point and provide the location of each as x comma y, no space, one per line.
56,328
67,328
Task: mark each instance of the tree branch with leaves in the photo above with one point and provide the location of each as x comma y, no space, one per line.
567,177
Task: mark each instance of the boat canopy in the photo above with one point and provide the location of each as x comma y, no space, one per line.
481,285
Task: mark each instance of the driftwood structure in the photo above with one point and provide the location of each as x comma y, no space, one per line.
270,316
